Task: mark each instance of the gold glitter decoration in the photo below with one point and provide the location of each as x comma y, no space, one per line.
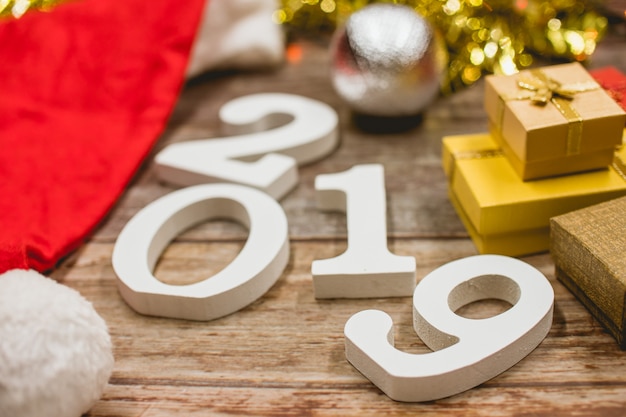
482,36
17,8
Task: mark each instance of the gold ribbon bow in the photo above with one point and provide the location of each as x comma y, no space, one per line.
618,165
472,154
544,88
541,90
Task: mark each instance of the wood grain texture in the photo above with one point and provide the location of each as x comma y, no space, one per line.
284,354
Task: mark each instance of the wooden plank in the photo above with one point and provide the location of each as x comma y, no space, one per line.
487,401
283,355
289,346
258,340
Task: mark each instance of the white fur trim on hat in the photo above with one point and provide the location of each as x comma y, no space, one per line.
55,350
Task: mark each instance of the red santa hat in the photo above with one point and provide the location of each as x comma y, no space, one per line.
86,91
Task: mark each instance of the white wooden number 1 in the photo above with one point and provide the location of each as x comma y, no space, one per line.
467,352
301,130
366,268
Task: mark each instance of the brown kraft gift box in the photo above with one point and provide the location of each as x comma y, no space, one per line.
589,251
553,120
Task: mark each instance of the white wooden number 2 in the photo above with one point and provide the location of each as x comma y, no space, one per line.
466,352
272,134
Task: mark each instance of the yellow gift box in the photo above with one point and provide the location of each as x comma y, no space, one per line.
554,120
510,244
500,207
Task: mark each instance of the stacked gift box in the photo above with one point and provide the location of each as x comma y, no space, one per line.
588,247
551,175
554,146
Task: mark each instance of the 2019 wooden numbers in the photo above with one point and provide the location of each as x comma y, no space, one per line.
273,134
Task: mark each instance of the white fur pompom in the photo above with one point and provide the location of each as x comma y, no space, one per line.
55,350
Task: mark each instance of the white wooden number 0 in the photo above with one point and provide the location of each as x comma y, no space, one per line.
366,268
301,130
466,352
255,269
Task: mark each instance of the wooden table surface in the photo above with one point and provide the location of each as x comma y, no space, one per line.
283,355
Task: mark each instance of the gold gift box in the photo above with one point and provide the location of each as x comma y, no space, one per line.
588,246
498,207
561,136
551,167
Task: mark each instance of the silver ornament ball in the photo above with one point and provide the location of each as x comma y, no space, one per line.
387,61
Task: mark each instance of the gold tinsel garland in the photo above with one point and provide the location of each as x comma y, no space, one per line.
496,36
482,36
16,8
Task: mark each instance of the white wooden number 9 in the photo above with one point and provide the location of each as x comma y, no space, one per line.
466,352
283,130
